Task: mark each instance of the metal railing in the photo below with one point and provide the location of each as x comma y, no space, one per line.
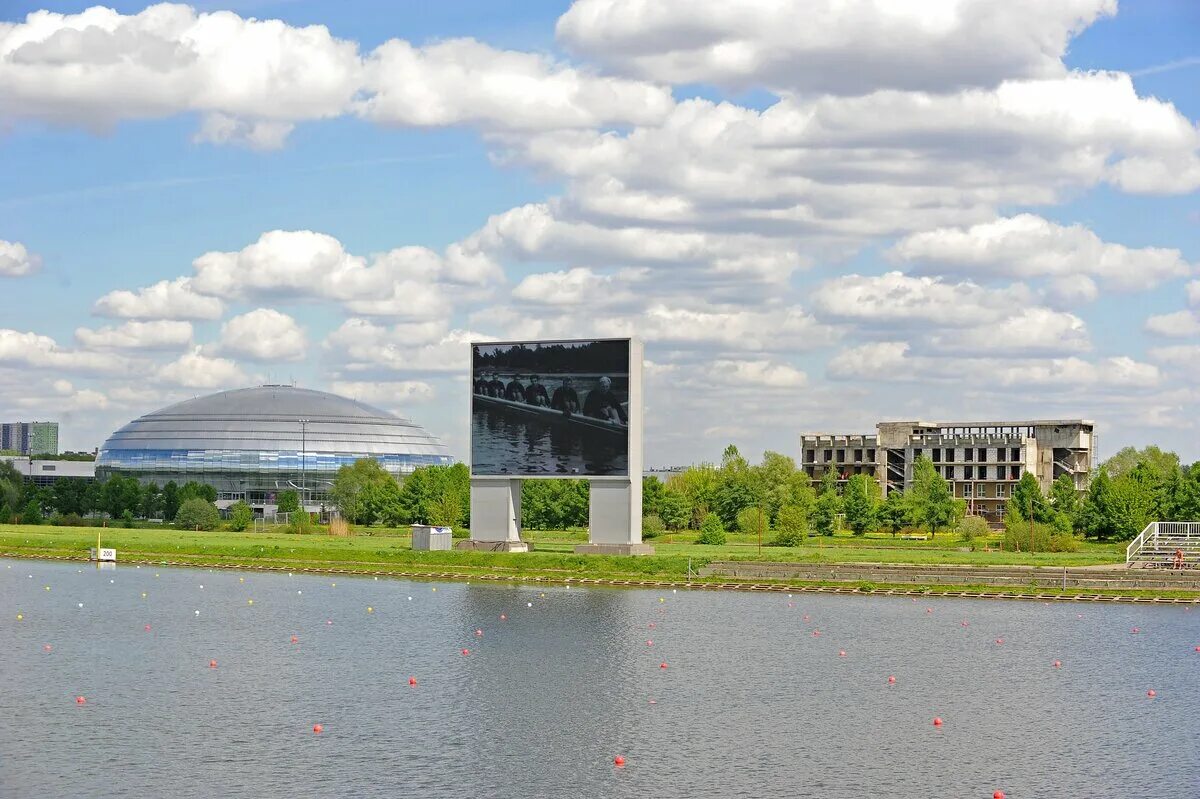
1176,534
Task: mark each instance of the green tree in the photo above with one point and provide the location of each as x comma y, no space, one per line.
827,506
439,495
1064,502
653,491
554,504
11,485
196,513
32,514
1097,513
712,532
1152,457
792,526
193,488
931,499
736,487
170,500
894,513
860,503
349,483
151,501
699,485
287,501
752,520
1181,496
674,510
1027,497
241,516
776,479
69,496
119,494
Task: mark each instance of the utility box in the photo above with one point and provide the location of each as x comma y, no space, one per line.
428,537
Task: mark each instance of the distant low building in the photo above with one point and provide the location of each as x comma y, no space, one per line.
29,438
982,460
43,472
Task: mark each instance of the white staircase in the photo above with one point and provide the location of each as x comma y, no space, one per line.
1155,547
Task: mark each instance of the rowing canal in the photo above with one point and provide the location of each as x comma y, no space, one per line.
755,699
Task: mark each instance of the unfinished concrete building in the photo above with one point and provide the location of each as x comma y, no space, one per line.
982,460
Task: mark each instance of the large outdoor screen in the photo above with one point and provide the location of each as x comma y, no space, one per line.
551,408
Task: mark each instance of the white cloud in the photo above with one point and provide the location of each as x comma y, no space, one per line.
1031,331
758,373
463,81
896,298
155,335
196,370
16,261
891,361
264,334
830,46
100,66
1182,355
387,394
360,346
166,299
32,351
1028,246
1193,293
578,286
1180,324
411,282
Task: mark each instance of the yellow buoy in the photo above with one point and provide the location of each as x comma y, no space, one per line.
143,595
370,609
19,617
249,601
47,588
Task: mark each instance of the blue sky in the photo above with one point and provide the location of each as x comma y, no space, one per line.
811,231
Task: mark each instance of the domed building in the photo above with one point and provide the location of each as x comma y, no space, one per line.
253,443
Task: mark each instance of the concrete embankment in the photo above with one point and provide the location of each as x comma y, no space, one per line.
1001,576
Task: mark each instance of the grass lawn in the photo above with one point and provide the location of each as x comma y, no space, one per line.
553,552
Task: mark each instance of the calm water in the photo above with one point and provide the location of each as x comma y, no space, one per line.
752,703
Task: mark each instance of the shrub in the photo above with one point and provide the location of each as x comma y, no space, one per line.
972,527
241,516
68,520
1017,538
747,521
340,527
197,514
127,519
1063,542
712,532
652,526
287,502
300,522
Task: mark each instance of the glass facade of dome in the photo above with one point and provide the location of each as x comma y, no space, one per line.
253,443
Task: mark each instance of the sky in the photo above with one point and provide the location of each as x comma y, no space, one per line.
817,214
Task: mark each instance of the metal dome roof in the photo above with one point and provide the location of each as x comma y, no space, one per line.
268,418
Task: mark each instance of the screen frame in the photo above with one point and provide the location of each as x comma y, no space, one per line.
633,442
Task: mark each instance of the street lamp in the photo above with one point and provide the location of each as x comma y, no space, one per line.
303,452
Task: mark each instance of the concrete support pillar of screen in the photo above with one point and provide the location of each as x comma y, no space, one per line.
495,516
615,507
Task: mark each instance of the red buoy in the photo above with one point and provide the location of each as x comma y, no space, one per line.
318,729
79,700
1058,664
618,761
1151,693
649,642
998,795
999,640
46,647
654,701
891,680
1136,630
1198,649
466,651
478,633
662,665
816,633
295,640
146,628
929,610
841,653
651,625
212,664
503,617
937,721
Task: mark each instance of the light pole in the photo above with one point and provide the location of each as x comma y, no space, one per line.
303,452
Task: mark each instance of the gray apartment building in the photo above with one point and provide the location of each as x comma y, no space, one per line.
29,438
982,460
